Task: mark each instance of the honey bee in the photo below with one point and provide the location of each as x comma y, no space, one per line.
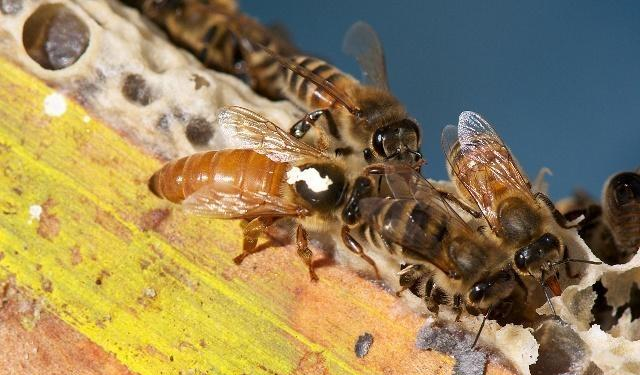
611,229
485,173
270,177
360,117
218,34
446,260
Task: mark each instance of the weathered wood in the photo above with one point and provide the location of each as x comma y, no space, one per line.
36,342
158,288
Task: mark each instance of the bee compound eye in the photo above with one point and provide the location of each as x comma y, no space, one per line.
368,155
477,292
521,259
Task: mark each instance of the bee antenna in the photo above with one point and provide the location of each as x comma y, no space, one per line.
576,261
545,291
475,341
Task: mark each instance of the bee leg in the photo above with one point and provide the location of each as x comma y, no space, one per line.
409,275
302,126
355,247
559,217
252,231
304,252
429,299
452,198
457,306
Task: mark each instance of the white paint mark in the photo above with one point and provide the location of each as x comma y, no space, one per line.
311,176
86,119
34,212
55,105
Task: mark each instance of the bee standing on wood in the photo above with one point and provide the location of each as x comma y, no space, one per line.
486,174
271,176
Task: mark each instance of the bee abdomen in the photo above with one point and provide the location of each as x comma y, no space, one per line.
308,92
626,229
229,171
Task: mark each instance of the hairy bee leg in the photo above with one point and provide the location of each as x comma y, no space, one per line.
452,198
457,306
304,252
252,231
559,217
355,247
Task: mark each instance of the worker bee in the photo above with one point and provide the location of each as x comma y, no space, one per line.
611,229
270,177
485,173
447,261
218,34
360,117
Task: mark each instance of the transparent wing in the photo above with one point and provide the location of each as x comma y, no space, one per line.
362,42
402,222
246,129
404,182
327,87
230,202
482,163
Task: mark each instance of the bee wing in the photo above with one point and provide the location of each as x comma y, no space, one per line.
329,88
362,42
230,202
405,182
407,229
481,162
246,129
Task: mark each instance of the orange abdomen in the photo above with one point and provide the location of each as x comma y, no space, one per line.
242,169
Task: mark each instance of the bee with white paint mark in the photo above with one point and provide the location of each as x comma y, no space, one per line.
271,176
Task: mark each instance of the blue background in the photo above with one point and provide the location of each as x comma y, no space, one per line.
559,80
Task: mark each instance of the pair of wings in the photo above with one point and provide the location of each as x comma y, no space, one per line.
482,163
246,129
404,183
361,42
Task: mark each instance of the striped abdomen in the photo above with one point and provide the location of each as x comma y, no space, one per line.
244,170
308,94
226,40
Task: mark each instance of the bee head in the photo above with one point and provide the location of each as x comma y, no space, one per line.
399,141
492,290
537,257
321,185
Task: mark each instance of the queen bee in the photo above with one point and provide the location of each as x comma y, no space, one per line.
271,177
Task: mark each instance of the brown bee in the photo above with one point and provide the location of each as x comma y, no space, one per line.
218,34
611,229
272,176
485,173
446,260
360,117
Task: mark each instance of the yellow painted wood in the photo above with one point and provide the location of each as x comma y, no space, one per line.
167,299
